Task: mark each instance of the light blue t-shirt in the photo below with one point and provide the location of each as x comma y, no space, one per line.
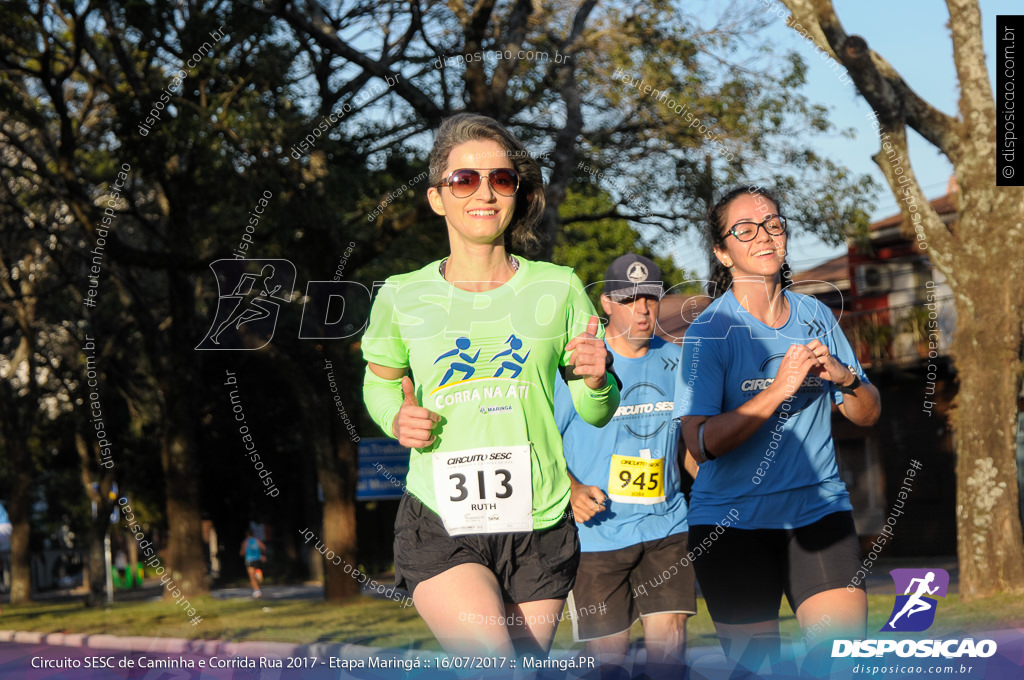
252,550
785,475
643,423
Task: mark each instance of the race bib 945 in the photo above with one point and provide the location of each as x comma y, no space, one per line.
637,480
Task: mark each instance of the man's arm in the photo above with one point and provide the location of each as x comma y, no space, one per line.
687,461
690,463
586,501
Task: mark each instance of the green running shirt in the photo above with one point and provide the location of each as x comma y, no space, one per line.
486,362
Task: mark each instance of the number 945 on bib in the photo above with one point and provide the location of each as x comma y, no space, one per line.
637,480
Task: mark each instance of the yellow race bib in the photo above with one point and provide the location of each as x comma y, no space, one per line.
634,479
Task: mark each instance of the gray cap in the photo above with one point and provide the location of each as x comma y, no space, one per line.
632,275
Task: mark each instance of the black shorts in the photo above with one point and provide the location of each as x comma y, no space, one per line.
615,587
745,572
253,563
529,565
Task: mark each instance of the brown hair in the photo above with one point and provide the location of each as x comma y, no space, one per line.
522,234
720,278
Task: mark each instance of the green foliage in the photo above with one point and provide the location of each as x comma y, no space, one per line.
915,321
589,247
736,119
220,143
877,335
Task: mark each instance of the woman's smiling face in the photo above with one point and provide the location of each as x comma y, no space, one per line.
482,217
764,255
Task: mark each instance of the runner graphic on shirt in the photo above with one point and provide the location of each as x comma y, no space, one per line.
461,345
515,344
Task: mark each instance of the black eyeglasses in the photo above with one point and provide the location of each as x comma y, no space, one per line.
464,182
774,225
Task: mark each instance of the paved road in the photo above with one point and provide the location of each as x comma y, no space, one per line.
283,592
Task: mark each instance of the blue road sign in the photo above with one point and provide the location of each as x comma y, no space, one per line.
383,465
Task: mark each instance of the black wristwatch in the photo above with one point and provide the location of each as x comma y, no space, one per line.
849,389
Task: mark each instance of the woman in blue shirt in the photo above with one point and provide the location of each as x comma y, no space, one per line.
761,368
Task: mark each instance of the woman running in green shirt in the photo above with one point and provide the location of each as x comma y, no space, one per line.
462,358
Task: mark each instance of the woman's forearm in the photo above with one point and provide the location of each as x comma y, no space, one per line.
726,431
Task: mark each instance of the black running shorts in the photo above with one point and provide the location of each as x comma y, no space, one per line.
529,565
744,573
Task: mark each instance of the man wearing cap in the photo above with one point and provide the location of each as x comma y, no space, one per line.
625,494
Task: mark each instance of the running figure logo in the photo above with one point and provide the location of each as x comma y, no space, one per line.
914,611
246,317
515,344
465,366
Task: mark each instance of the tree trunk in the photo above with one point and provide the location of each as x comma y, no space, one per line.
97,561
19,510
179,454
986,347
339,527
15,432
337,466
185,560
98,529
336,462
96,540
97,487
21,559
987,275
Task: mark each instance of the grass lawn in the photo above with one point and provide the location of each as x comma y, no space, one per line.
384,623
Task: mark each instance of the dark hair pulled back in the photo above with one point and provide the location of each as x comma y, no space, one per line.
720,278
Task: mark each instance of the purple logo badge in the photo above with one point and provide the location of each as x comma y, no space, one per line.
914,610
